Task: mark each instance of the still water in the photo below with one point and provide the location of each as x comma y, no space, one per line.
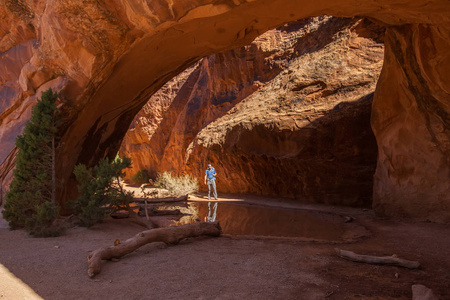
255,220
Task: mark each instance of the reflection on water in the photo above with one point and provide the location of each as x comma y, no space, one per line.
212,213
253,220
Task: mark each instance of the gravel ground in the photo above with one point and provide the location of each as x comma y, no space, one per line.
225,267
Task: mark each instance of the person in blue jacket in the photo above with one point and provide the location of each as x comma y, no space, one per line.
210,180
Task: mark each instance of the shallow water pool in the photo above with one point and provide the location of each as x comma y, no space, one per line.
264,221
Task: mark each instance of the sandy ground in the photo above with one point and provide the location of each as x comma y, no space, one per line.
226,267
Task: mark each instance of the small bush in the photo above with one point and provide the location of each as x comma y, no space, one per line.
100,190
177,186
141,177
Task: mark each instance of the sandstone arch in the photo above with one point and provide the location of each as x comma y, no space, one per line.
108,57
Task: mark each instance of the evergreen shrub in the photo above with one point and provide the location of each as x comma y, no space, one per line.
30,201
100,190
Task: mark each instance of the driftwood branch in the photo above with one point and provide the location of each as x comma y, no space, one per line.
168,235
378,260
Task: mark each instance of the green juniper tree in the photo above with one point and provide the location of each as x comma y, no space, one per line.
30,201
100,190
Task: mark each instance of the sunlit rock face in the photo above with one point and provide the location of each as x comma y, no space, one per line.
288,115
107,58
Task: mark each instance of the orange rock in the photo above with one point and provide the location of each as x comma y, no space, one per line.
287,115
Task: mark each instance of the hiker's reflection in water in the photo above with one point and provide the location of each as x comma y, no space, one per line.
212,215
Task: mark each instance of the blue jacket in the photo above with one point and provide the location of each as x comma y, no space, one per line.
210,174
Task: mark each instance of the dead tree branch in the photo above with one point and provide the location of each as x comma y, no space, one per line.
168,235
378,260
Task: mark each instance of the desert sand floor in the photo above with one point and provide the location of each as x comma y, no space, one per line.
227,267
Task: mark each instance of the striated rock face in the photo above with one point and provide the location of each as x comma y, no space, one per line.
411,120
288,115
108,57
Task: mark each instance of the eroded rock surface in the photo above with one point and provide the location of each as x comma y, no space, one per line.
108,57
288,115
411,120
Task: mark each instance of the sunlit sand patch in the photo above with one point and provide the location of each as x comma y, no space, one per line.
221,199
12,287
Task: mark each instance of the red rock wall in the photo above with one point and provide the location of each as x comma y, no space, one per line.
331,160
411,120
288,115
172,118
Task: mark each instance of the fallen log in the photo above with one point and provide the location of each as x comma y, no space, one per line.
160,212
168,235
378,260
161,205
162,200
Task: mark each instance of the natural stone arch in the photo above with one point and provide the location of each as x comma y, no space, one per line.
112,73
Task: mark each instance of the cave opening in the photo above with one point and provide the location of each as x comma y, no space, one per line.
287,115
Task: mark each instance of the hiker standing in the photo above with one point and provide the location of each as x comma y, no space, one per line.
210,180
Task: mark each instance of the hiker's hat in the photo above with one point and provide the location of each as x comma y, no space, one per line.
209,165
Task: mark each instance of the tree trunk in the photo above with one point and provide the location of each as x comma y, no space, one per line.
53,171
146,210
168,235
